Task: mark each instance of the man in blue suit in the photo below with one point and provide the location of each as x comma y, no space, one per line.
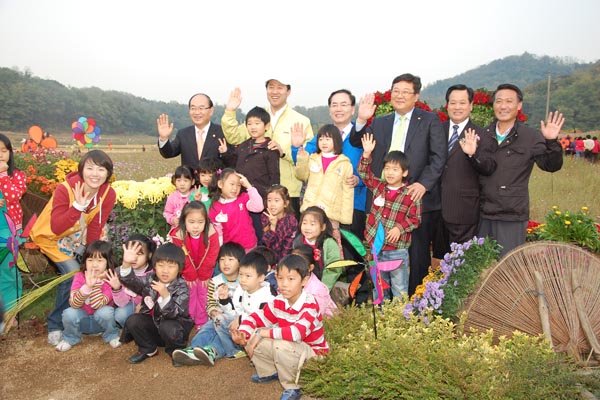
420,136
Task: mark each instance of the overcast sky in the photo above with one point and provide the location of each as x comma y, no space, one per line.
168,50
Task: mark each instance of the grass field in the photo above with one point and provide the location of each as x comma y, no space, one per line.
577,184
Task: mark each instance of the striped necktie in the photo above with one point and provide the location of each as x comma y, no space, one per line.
453,138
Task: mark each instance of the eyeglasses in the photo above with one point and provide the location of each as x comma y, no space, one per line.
403,93
199,109
340,105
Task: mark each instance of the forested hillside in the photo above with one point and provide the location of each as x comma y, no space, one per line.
522,71
26,100
577,96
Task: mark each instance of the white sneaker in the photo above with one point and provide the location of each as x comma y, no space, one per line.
54,338
115,343
63,346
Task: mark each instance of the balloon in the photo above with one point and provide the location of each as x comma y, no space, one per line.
85,131
36,133
49,143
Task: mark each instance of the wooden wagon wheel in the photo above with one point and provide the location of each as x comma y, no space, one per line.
508,298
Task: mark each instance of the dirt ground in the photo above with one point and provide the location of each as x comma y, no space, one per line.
32,369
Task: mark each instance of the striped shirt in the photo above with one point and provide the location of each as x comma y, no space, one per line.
391,208
300,322
89,299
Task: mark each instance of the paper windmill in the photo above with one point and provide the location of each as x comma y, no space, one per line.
85,131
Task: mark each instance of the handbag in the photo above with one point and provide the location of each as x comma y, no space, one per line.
74,244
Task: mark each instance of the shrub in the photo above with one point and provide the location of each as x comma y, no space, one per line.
413,360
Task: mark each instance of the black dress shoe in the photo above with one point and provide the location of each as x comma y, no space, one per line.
139,357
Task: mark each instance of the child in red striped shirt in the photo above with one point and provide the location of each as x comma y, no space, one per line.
286,332
91,301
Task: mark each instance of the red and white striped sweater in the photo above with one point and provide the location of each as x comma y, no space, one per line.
301,321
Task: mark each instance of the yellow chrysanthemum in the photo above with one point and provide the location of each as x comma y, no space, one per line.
557,212
584,208
567,223
154,190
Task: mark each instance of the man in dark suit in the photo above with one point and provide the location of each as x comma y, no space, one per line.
419,135
193,142
469,154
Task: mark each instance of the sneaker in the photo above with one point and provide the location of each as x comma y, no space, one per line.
186,357
115,343
239,354
54,338
264,379
291,394
63,346
206,355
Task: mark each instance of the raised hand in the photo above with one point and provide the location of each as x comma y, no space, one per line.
553,125
272,219
222,146
234,101
366,108
244,181
163,126
368,142
297,134
112,279
91,278
130,253
469,143
81,197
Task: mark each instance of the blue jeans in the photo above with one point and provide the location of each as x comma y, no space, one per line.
62,295
77,322
218,337
122,313
398,278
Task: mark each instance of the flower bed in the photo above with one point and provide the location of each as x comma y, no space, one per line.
482,114
446,287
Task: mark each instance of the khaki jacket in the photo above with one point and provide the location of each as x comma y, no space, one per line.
327,190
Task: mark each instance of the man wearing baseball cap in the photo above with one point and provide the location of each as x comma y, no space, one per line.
283,118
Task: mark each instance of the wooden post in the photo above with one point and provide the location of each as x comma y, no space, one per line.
543,308
583,317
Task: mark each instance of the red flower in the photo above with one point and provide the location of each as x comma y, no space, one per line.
387,96
481,97
422,105
521,117
378,98
442,116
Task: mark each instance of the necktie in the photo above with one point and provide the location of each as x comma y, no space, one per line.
200,143
453,138
398,135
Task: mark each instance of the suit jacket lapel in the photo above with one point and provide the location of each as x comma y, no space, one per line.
388,126
413,127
